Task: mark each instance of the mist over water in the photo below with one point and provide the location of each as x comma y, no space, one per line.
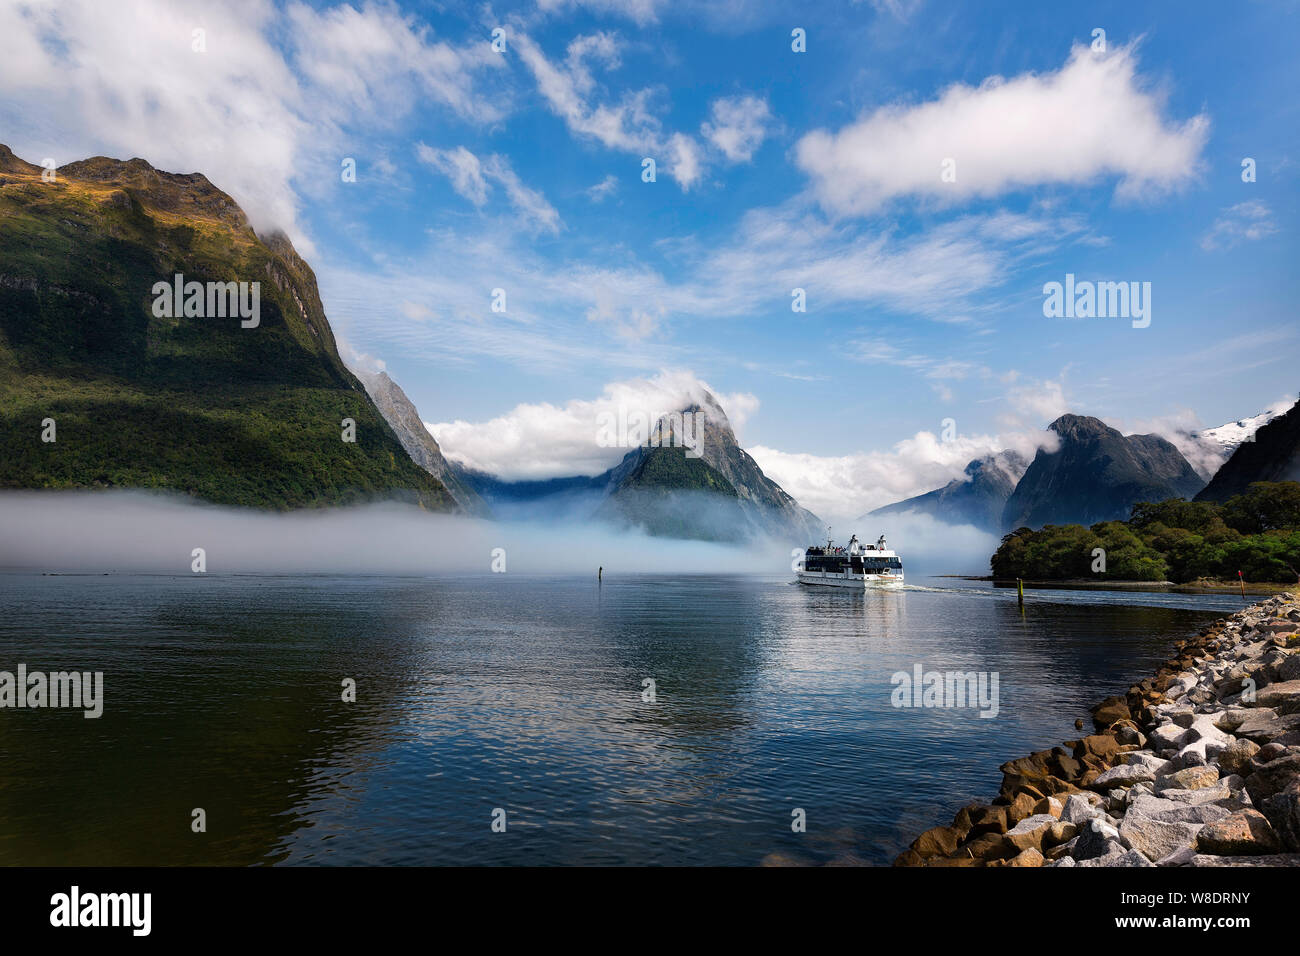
521,690
111,531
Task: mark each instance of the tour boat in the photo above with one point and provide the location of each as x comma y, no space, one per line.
856,566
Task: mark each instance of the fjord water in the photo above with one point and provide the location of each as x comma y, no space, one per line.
525,693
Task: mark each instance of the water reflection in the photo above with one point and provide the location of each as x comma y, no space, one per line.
525,693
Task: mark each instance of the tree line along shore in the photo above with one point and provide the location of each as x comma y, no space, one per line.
1252,537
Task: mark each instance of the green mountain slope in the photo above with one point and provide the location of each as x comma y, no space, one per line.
245,416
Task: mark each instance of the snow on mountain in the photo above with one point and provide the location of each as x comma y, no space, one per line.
1209,448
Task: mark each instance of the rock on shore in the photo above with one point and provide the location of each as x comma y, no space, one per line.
1198,766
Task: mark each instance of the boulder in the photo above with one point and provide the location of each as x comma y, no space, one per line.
1283,812
1079,810
1244,832
1131,858
937,841
1203,728
988,846
1274,859
1027,857
1109,711
1158,838
1096,745
1235,758
1283,697
1165,810
1209,795
1166,737
1021,807
1060,832
1192,778
1049,805
1289,669
1180,857
1270,751
1158,827
1096,840
1272,777
1030,831
1123,775
988,820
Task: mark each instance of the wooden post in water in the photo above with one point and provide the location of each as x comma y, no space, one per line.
1020,591
1242,582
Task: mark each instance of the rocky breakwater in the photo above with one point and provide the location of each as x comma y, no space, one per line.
1197,766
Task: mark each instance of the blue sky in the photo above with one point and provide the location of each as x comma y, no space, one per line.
522,170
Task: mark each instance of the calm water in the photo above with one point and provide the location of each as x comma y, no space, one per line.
524,693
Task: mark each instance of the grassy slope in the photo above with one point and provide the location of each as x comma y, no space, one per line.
233,415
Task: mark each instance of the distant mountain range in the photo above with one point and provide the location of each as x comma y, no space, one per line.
142,395
978,499
1094,474
1097,474
717,493
99,387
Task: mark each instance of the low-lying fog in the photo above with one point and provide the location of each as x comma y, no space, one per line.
144,531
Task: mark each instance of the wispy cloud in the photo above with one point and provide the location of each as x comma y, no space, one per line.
628,125
472,178
1244,222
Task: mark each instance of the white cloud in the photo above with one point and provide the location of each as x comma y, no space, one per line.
470,178
686,165
899,9
82,77
738,126
542,440
628,125
1040,403
460,166
842,487
641,12
603,189
935,273
378,60
1246,221
1090,119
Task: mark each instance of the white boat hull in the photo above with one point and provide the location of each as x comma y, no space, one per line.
859,581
